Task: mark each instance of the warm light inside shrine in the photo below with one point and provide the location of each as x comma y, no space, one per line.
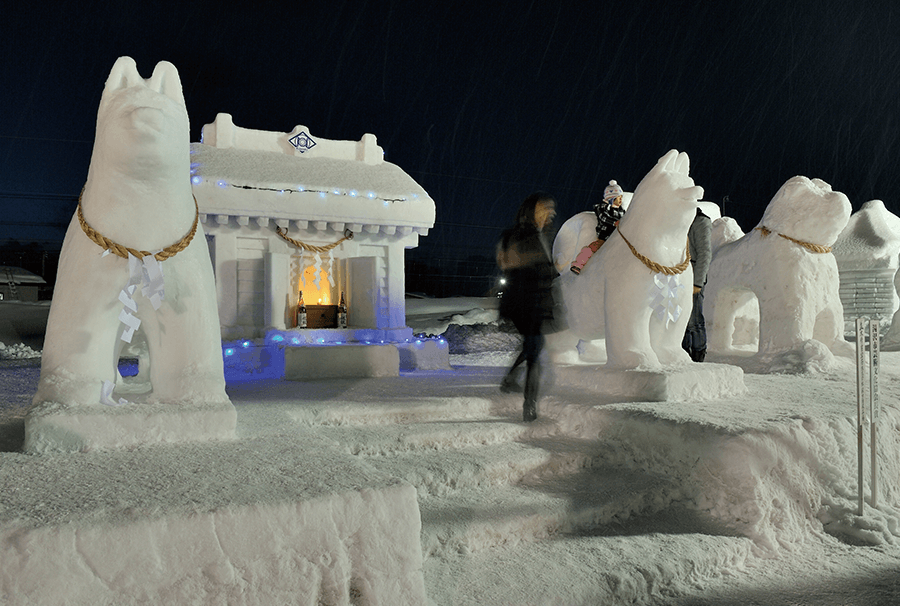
313,294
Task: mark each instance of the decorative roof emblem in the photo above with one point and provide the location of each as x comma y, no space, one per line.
302,142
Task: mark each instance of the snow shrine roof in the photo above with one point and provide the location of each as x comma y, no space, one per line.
313,182
870,240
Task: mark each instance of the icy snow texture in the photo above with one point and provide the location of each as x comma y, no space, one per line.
775,464
259,521
614,294
17,352
800,311
138,194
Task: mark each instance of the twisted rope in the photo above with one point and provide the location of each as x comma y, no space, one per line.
656,267
123,251
348,235
813,248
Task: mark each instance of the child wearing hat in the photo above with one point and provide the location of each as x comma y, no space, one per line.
608,212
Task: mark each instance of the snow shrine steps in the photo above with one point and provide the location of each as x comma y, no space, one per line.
487,483
495,490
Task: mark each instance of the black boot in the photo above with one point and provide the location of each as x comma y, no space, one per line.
698,355
532,379
529,411
510,385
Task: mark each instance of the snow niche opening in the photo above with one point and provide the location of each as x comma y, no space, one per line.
313,279
133,366
739,331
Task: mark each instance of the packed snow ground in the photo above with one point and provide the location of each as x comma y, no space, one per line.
787,533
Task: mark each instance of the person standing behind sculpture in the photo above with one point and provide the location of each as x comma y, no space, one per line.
523,254
699,242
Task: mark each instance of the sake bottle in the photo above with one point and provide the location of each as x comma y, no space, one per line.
342,312
301,312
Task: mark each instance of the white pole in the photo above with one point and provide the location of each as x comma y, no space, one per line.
874,354
860,370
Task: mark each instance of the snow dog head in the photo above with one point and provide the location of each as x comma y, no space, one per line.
621,294
137,198
786,268
808,210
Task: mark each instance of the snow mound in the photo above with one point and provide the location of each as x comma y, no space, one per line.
438,325
17,352
479,338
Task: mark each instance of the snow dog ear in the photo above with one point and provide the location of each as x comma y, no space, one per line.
675,166
165,80
124,74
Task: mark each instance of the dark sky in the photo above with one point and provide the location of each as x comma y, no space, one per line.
481,102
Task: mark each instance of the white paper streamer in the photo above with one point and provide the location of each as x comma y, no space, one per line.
154,285
147,274
331,268
131,323
664,296
106,395
317,266
302,269
126,296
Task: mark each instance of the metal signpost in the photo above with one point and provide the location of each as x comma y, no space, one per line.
867,365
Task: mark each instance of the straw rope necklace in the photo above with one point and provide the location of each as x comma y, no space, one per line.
813,248
656,267
123,251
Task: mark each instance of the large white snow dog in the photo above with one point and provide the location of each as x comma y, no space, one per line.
137,196
637,288
787,265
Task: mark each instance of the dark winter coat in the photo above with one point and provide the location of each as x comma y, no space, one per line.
607,218
527,300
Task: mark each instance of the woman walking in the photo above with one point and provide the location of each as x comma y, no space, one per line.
523,254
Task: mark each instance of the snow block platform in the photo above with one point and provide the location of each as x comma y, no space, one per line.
268,520
341,361
424,354
689,381
52,427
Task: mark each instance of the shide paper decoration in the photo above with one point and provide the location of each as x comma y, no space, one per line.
664,296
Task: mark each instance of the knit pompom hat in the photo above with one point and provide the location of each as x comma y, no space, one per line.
612,192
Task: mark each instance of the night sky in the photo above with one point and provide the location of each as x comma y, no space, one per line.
480,102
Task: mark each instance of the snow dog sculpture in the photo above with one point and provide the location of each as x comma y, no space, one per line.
134,260
636,290
786,263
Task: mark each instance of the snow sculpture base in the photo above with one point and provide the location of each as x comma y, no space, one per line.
683,382
424,354
341,361
51,427
269,520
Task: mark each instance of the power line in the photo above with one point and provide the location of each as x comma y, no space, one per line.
38,196
44,139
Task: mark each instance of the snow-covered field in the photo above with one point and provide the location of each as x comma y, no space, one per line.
743,499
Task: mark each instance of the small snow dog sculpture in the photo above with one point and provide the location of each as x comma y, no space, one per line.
637,288
135,257
786,263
